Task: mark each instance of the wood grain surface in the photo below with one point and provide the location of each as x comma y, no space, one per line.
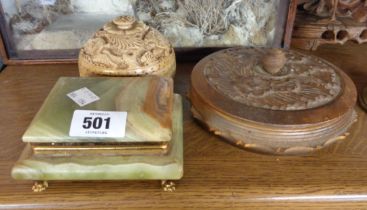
217,175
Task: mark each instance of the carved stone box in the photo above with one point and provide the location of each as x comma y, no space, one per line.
271,100
127,47
150,148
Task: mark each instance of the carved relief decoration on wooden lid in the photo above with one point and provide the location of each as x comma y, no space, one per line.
127,45
273,79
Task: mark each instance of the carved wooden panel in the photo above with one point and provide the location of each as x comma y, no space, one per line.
330,22
303,83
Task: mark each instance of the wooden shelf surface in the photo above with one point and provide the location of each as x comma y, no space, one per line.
217,175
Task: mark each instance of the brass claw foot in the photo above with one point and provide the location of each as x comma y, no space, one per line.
168,186
39,186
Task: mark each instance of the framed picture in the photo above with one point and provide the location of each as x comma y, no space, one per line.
53,31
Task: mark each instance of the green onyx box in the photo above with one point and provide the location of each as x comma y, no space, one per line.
105,128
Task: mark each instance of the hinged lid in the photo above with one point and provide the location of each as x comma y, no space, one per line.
127,47
148,102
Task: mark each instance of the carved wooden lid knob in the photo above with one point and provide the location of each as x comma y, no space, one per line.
124,22
274,61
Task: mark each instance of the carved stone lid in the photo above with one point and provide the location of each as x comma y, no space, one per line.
272,86
127,47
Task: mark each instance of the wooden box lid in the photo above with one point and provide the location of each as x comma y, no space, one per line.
127,47
272,100
148,102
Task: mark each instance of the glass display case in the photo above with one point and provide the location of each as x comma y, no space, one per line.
51,30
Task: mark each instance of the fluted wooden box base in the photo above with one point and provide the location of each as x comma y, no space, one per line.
97,167
275,139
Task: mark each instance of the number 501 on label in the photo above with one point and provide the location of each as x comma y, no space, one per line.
89,123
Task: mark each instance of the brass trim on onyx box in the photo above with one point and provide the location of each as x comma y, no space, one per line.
284,27
60,149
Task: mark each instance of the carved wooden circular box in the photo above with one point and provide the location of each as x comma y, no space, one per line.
127,47
273,101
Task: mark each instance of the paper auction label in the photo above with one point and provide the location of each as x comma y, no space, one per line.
89,123
83,96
